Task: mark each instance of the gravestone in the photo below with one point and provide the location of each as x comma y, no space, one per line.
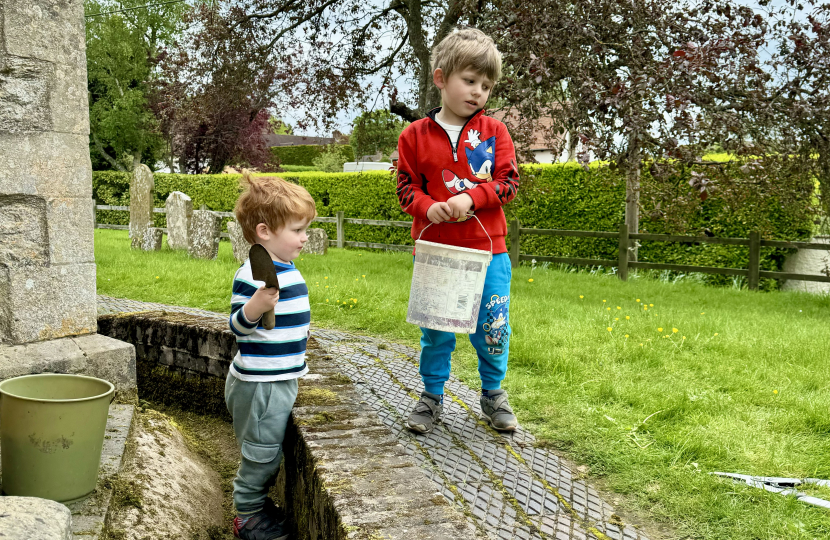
240,246
179,213
318,242
152,239
204,235
808,261
141,206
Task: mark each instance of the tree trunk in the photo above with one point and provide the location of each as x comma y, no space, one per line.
632,192
111,160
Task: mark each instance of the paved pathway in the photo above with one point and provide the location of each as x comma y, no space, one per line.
507,488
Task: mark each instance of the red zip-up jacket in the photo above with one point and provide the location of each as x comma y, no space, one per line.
483,165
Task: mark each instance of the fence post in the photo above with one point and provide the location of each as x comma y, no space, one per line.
340,232
622,271
514,242
754,260
94,214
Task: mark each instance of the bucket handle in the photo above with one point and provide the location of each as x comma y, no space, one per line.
479,222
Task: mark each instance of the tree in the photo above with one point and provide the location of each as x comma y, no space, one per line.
376,132
122,49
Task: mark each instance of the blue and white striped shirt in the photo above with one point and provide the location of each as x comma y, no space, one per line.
277,354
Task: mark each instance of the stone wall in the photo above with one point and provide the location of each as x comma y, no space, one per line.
345,475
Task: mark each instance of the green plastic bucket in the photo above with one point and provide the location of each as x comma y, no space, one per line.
51,434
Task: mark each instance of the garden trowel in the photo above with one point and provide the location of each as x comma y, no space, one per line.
263,269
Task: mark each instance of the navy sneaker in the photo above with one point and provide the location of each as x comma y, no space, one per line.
261,526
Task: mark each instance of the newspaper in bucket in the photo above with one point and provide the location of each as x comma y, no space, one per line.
447,284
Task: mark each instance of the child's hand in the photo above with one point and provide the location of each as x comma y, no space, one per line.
440,211
263,300
460,205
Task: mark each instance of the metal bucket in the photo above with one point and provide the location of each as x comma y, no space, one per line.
51,434
447,284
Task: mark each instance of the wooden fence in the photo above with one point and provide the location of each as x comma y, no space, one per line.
622,263
626,242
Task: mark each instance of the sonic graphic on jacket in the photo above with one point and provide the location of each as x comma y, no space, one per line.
482,156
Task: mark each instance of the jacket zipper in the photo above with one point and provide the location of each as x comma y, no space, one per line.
454,148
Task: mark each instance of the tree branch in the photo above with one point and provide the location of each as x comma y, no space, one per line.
109,158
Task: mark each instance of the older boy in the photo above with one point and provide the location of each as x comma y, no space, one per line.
262,382
441,184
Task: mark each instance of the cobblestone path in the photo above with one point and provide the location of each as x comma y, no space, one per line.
506,486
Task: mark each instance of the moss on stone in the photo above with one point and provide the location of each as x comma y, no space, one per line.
316,396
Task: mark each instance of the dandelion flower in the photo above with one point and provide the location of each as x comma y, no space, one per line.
684,337
581,296
327,286
641,344
775,391
609,328
530,280
356,279
616,318
659,329
608,309
704,313
327,299
645,308
603,301
716,333
638,301
326,277
651,305
674,330
364,275
626,336
157,277
627,317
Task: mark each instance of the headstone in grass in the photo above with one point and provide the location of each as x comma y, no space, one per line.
141,205
318,242
179,213
204,234
152,239
240,246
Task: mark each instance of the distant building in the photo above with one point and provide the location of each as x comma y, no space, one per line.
543,151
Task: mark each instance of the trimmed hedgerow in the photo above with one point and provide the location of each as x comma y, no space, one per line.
305,154
778,203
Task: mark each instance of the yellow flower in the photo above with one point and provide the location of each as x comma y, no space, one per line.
775,391
357,279
581,296
618,307
327,286
641,344
530,280
716,333
659,329
638,301
704,313
627,317
616,318
327,299
651,305
350,307
354,300
609,328
645,308
603,301
326,277
157,277
684,337
608,309
364,275
626,336
674,330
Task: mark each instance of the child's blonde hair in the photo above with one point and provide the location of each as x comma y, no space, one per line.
467,48
270,200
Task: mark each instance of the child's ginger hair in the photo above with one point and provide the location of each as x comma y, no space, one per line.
272,201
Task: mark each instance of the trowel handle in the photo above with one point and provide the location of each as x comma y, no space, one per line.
268,319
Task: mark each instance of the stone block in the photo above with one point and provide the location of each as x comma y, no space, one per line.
24,101
23,233
152,239
240,246
47,164
179,213
204,235
69,100
51,30
141,205
93,355
47,302
318,242
34,519
71,233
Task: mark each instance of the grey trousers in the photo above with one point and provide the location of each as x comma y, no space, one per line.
260,413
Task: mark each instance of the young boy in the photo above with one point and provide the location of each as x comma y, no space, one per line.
262,381
452,163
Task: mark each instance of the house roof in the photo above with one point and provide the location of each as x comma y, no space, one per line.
295,140
538,141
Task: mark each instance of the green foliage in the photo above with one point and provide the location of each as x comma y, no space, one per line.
561,196
330,161
298,168
376,131
305,154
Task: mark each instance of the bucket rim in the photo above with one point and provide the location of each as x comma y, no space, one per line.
427,243
4,392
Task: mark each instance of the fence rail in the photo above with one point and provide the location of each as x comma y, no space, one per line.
627,240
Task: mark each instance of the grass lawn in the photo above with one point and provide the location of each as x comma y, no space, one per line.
650,384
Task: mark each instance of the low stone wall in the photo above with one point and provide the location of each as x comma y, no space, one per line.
344,475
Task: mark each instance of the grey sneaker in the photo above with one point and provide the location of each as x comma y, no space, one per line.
497,411
426,413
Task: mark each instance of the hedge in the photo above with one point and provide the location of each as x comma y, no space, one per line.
305,154
561,196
